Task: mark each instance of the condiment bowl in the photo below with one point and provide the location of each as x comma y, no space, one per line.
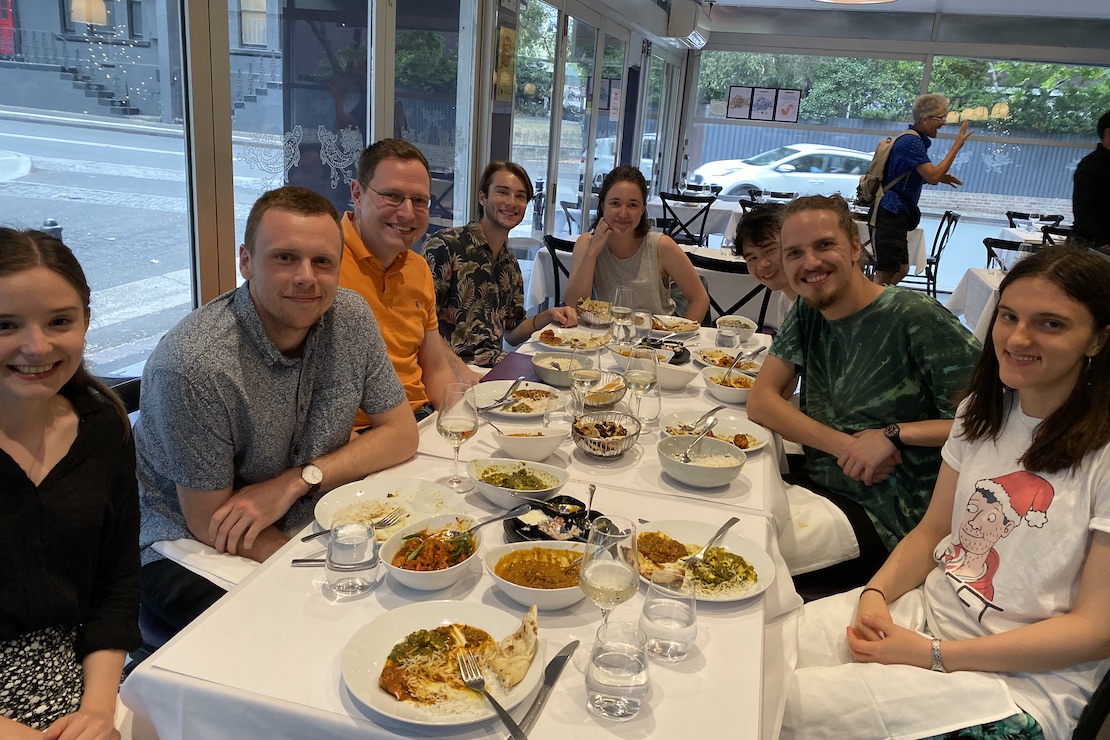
429,580
621,351
530,447
559,375
744,326
692,474
723,392
545,599
499,495
607,446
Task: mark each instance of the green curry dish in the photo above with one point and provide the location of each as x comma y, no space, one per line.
723,571
522,478
421,642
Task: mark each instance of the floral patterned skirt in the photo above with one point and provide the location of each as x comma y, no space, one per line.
1015,727
40,678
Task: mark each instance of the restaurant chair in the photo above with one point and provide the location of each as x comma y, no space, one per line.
932,263
1055,236
560,251
442,195
687,230
999,248
1093,718
781,196
572,222
1047,218
717,275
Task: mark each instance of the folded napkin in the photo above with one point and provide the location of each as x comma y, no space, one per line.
817,535
226,571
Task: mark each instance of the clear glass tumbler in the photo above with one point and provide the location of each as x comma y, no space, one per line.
617,676
669,617
352,560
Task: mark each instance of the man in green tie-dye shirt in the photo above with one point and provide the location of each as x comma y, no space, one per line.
882,369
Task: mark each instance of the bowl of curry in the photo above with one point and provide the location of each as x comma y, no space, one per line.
540,573
425,556
497,479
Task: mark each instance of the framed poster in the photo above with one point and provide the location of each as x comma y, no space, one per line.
504,80
603,96
763,104
739,102
786,107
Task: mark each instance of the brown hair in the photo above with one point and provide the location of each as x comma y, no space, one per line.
287,198
1082,423
626,173
756,228
834,204
26,250
511,167
397,148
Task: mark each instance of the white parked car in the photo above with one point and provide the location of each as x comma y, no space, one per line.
805,169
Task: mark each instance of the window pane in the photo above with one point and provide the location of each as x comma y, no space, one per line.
99,151
535,78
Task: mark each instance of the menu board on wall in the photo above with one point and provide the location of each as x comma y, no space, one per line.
739,102
763,104
786,107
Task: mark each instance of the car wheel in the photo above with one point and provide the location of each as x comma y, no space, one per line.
742,190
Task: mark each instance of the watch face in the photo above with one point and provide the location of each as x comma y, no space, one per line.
312,475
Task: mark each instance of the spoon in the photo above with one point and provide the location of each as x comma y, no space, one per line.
709,424
450,534
590,491
560,509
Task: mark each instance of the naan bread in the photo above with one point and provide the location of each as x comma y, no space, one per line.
513,656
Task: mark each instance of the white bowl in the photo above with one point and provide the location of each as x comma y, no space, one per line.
744,326
500,496
620,354
675,377
545,599
429,580
699,476
531,448
724,392
551,376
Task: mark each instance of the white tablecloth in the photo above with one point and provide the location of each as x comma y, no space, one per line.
975,298
265,660
1020,235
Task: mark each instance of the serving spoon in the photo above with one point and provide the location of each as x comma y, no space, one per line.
450,534
709,424
560,509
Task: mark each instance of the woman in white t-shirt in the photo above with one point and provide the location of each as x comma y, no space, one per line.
1003,589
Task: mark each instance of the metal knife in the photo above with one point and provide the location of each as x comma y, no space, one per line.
505,398
550,676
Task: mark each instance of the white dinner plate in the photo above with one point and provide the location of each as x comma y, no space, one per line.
487,393
672,321
365,654
728,425
698,533
571,339
699,356
420,498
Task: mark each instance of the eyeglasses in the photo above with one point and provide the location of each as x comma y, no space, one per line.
943,119
395,199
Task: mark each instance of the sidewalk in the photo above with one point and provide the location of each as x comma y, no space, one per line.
13,165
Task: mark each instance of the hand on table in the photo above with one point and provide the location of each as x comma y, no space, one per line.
251,509
895,645
83,725
564,316
870,457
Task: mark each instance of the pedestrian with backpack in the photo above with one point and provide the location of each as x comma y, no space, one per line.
908,168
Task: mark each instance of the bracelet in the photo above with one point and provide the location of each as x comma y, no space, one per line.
872,588
534,317
938,664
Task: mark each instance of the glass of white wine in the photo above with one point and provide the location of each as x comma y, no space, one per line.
642,374
609,573
620,308
457,421
585,373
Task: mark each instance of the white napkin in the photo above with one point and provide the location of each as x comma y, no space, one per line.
781,597
223,570
818,533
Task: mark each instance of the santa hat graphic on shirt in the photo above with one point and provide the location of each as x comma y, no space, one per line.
1022,495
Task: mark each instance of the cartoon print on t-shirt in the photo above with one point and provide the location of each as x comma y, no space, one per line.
994,510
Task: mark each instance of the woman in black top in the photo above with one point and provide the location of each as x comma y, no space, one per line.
69,515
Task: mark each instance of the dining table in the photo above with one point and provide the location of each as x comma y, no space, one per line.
975,298
266,659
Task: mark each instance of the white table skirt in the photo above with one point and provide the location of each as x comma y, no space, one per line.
265,660
975,298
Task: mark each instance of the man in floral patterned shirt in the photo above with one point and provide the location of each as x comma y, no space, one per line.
478,284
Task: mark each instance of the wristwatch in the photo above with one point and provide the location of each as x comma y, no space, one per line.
894,433
938,664
313,476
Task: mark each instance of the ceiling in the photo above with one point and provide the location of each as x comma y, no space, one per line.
1057,9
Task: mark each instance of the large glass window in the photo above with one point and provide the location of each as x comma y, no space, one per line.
252,22
535,100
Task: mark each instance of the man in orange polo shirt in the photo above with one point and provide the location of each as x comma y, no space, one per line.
391,197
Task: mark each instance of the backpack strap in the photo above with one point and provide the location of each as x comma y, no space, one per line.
884,187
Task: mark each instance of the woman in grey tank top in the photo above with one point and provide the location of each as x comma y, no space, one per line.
621,249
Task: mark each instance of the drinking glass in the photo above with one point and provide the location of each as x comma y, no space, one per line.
457,421
1034,219
641,324
617,677
642,373
585,373
669,617
620,308
352,560
609,573
560,414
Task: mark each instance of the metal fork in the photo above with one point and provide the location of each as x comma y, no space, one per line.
472,677
699,556
388,519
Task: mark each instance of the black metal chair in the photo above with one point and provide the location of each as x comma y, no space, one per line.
555,247
759,296
1014,216
1093,718
932,263
1054,236
998,248
687,230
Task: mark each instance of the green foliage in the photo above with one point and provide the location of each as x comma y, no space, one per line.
425,63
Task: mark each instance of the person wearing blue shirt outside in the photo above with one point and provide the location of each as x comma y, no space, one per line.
898,212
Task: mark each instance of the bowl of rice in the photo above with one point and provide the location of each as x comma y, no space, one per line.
553,368
713,462
420,557
533,443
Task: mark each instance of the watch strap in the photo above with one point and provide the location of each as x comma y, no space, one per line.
938,664
893,432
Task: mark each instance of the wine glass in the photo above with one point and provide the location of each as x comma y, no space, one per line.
641,374
457,421
585,373
620,308
609,573
1034,222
